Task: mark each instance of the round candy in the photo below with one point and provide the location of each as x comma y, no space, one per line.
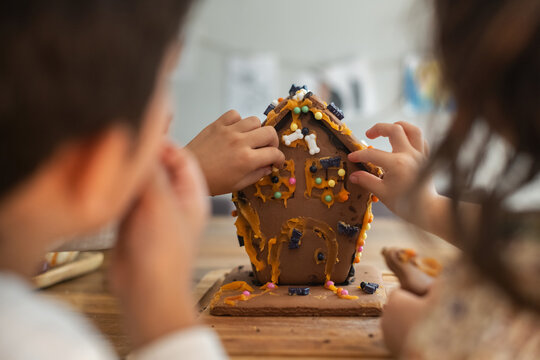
368,226
320,256
318,115
277,195
247,293
305,131
329,283
271,286
297,110
328,198
318,181
274,179
313,168
344,292
341,172
360,249
292,181
305,109
294,127
280,99
331,183
339,290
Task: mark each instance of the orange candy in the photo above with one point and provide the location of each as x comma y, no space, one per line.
374,198
280,99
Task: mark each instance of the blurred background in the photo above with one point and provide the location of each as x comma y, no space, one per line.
372,58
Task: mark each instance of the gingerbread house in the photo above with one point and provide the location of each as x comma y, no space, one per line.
306,223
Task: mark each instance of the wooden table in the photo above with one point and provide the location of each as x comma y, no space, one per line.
268,338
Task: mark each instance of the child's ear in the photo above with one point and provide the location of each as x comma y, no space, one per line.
97,175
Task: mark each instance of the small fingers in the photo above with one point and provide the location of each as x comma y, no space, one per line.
253,177
247,124
395,133
229,118
267,156
414,134
368,181
263,136
375,156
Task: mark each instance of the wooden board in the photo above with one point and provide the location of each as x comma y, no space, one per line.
83,264
319,302
330,337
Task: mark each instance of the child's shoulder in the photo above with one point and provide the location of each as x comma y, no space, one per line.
34,326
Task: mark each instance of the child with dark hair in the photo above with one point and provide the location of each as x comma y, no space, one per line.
84,105
488,304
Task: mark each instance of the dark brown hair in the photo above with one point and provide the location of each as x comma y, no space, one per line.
70,68
490,56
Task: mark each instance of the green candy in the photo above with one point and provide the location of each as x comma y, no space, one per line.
318,181
277,195
328,198
305,109
296,110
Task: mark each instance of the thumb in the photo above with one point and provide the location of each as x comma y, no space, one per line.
253,177
368,181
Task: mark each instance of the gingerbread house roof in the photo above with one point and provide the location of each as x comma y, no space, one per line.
329,115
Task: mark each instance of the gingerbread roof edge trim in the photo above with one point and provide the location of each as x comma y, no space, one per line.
330,116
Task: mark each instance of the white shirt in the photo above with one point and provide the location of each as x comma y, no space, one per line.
34,327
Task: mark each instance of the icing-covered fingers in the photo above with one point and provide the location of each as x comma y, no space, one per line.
261,137
395,134
375,156
229,118
247,124
414,134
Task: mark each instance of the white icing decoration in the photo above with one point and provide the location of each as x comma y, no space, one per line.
297,135
311,141
274,102
299,96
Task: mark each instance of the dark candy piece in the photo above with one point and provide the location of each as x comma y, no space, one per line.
295,239
313,169
305,131
331,162
346,229
336,111
320,256
369,288
240,240
274,179
296,234
295,88
269,108
299,291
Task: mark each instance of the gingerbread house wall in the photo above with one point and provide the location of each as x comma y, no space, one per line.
303,265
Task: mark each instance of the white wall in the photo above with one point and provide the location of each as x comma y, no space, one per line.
303,36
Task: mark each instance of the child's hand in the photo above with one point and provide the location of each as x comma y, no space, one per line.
151,271
400,312
401,166
235,152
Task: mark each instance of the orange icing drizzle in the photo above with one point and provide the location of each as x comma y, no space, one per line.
343,194
283,180
368,218
248,226
239,286
338,291
323,230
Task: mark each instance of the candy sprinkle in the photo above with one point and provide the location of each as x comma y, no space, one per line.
328,198
297,110
318,115
331,183
341,172
305,109
277,195
294,127
292,181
